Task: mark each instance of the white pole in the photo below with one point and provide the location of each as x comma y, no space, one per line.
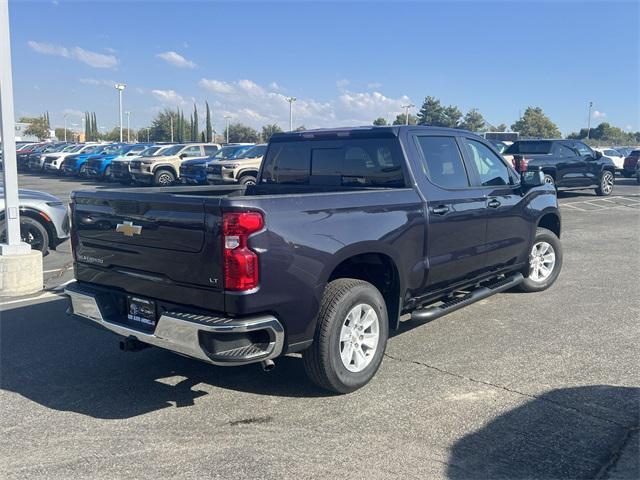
290,100
227,117
13,245
406,112
128,128
589,121
171,121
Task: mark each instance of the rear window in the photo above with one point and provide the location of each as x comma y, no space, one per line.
536,147
350,162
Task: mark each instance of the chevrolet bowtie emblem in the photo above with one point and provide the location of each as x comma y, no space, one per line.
129,229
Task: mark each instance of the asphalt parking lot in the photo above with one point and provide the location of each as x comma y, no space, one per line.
515,386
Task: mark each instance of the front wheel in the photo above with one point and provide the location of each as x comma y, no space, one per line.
605,187
549,180
163,178
32,232
545,262
248,180
351,336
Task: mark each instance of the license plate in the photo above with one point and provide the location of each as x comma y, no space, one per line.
141,310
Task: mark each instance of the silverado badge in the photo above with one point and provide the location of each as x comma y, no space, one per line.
129,229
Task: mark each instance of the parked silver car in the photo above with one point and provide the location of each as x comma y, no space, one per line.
44,219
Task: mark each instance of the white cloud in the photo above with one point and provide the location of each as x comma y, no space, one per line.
275,87
93,59
72,113
374,85
342,84
254,104
216,86
599,114
110,50
175,59
168,96
628,128
97,81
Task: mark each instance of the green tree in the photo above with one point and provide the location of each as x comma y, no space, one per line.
473,121
380,122
59,132
196,127
209,128
160,130
535,124
239,132
500,128
431,112
451,117
401,120
37,127
268,130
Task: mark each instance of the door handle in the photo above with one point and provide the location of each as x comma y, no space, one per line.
493,203
440,210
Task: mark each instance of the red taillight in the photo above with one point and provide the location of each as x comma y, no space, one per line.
240,262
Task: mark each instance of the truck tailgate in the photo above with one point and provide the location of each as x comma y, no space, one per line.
154,244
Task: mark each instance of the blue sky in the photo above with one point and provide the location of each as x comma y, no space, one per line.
347,63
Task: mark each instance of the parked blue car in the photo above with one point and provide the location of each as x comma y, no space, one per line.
76,164
99,166
194,171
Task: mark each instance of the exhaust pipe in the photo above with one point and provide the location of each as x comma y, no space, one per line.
267,365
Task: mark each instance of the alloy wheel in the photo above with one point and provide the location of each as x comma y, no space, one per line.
607,182
542,260
359,337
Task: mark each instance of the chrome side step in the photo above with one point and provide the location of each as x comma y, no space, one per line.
488,289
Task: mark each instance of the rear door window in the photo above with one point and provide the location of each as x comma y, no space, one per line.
364,162
444,165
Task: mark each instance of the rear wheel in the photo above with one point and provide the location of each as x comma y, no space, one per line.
548,179
163,178
351,336
605,187
545,262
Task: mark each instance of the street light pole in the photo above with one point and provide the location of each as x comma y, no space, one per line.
589,121
171,122
290,100
227,117
120,87
406,112
128,126
13,241
65,127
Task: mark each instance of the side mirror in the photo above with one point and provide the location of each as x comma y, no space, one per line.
598,155
532,177
183,155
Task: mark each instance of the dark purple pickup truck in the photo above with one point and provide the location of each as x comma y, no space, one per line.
345,231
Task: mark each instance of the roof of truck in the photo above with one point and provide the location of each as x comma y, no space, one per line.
364,130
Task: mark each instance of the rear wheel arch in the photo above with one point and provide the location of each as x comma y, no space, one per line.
550,221
378,269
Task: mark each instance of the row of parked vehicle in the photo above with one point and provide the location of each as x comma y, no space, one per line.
147,163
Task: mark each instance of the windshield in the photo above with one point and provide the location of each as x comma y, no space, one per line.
532,147
226,153
252,152
70,148
148,152
174,150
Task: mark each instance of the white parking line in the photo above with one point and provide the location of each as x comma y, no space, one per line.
30,299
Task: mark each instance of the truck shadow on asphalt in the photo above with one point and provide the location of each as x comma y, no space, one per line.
62,364
563,434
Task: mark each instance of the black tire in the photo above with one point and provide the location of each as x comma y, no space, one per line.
247,180
531,285
606,183
32,232
163,178
322,361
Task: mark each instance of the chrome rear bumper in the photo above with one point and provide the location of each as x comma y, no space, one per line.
186,333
